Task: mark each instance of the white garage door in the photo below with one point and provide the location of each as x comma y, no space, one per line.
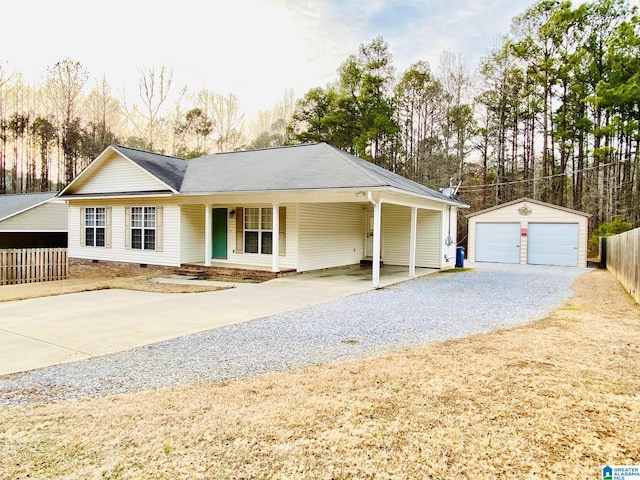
498,242
553,244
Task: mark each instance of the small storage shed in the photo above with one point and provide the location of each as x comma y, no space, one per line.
528,231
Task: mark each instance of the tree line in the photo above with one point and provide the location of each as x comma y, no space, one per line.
49,132
552,113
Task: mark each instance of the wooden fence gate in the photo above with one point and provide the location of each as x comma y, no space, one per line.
27,265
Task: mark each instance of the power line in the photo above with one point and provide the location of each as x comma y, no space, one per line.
471,188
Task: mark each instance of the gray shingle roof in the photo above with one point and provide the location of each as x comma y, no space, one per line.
14,203
170,170
316,166
301,167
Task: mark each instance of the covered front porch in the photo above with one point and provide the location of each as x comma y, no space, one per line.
358,274
313,231
349,274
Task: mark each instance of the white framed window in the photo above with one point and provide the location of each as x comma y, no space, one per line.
143,228
258,230
95,226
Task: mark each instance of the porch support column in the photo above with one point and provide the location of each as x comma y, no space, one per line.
275,238
207,235
377,221
412,242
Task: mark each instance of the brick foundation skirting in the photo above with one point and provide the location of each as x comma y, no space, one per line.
79,267
235,274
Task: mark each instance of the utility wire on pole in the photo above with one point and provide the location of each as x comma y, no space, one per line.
472,188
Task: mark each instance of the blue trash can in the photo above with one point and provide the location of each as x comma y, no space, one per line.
459,257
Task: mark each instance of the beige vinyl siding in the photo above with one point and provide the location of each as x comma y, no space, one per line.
291,249
429,239
330,235
396,231
539,214
48,217
118,174
192,233
170,254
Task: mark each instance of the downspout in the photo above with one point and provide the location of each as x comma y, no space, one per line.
375,277
448,241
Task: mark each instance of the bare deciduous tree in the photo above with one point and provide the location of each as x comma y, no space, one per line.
269,128
153,88
228,122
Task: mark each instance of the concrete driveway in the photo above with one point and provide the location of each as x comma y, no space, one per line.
46,331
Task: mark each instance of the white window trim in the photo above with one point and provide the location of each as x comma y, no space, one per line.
159,227
259,230
95,227
143,228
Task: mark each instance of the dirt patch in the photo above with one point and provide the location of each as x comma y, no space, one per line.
556,398
84,277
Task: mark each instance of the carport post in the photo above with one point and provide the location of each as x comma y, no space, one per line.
207,235
275,238
412,242
377,220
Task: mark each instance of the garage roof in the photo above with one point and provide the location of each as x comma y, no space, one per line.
13,204
529,200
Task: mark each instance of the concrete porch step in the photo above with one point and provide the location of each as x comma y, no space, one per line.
235,273
368,262
197,273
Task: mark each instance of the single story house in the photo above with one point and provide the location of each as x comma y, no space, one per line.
32,220
297,208
528,231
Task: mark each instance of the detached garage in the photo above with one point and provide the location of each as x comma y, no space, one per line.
33,220
529,232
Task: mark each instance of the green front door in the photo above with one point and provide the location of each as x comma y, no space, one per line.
219,232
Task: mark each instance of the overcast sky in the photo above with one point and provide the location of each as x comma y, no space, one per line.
253,48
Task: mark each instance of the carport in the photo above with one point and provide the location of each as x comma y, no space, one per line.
530,232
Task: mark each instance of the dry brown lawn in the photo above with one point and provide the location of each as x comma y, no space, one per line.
84,278
557,398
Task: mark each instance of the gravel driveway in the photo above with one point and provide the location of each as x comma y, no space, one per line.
429,309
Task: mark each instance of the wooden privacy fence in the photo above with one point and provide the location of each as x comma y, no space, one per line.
26,265
622,258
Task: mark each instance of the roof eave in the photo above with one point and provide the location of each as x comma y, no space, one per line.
279,190
452,202
536,202
119,195
376,188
